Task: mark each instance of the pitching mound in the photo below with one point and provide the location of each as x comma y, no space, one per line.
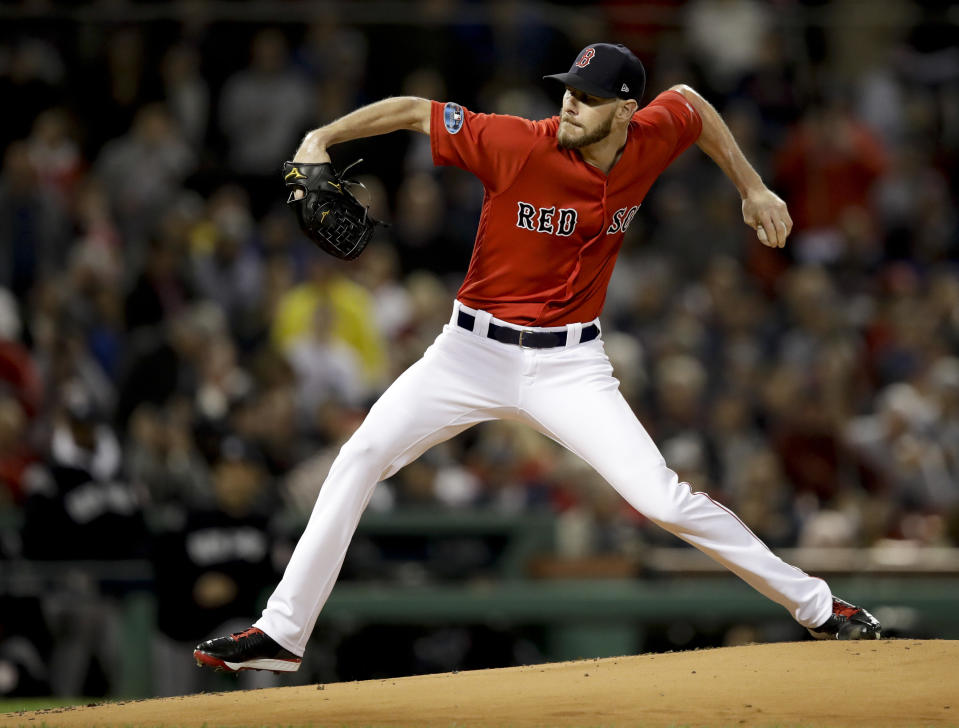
887,683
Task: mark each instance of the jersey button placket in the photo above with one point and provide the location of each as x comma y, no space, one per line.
606,217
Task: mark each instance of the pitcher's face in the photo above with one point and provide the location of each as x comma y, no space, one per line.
584,119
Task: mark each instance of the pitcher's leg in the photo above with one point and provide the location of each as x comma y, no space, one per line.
429,403
590,417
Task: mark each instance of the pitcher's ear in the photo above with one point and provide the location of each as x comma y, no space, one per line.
628,108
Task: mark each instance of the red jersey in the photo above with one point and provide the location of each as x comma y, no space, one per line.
552,225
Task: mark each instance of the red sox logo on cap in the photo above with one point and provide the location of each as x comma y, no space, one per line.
586,58
605,70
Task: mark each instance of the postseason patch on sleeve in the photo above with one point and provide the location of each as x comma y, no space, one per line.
453,117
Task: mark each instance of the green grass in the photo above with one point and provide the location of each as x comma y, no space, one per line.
13,705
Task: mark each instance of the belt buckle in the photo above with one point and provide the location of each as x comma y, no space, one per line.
522,333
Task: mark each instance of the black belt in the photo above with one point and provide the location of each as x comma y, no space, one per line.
524,337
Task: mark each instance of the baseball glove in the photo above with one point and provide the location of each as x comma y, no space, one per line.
328,212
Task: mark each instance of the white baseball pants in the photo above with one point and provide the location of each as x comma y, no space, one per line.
567,393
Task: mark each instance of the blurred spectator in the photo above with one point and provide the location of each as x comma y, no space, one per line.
166,362
680,396
902,334
264,108
380,275
64,359
18,372
812,454
187,93
34,227
163,457
898,442
764,500
162,289
97,244
214,564
16,454
142,172
736,443
278,430
90,292
54,153
726,37
326,369
826,168
881,102
814,314
226,268
79,504
222,382
353,315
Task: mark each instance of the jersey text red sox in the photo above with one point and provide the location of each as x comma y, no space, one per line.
552,225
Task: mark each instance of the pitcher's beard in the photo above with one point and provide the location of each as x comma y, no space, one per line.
567,141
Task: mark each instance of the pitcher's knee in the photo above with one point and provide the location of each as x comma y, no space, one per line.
659,495
357,447
364,453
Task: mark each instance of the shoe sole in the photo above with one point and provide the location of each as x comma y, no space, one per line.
204,659
858,632
847,635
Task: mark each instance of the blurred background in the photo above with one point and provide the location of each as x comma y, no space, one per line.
178,367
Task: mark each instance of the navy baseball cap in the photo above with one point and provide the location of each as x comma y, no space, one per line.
607,71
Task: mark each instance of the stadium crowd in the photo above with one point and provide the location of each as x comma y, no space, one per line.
178,367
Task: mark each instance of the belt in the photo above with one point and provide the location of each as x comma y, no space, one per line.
526,337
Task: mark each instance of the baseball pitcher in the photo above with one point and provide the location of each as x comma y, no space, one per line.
524,341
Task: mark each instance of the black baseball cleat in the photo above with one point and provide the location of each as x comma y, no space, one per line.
252,649
848,622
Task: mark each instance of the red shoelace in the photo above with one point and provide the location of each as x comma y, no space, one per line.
237,636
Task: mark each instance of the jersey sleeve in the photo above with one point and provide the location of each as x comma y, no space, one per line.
673,120
493,147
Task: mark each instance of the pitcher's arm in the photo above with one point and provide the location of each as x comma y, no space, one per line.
381,117
763,210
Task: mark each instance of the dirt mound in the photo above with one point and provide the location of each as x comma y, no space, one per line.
887,683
